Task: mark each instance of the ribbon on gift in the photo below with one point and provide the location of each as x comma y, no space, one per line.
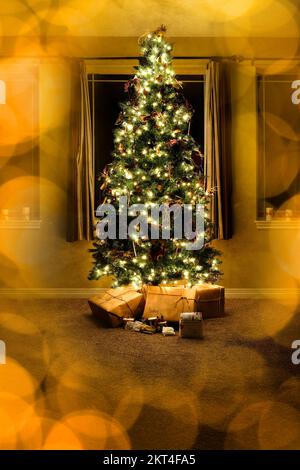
187,299
210,299
119,298
219,298
169,301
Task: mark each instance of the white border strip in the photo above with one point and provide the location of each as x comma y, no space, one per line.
85,293
51,293
260,293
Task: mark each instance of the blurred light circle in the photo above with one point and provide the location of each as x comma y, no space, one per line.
233,9
27,343
15,414
281,127
97,430
279,428
284,244
18,324
289,392
129,406
30,436
228,382
16,380
241,432
174,415
60,437
285,172
282,65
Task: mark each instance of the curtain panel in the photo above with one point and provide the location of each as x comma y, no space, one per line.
218,169
81,168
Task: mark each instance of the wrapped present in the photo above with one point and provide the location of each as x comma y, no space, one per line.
191,316
168,331
168,302
191,325
116,304
210,300
176,283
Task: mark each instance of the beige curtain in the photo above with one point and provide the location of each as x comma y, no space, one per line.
218,147
81,174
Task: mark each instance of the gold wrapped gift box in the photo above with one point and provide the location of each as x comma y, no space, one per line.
191,325
169,302
159,301
210,300
116,304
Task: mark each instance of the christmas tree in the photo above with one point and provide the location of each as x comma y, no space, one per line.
155,160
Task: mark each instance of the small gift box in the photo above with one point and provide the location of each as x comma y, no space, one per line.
210,300
191,325
168,331
168,302
116,304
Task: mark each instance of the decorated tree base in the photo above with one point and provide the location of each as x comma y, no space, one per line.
156,305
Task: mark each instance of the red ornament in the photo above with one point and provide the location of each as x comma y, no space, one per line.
172,142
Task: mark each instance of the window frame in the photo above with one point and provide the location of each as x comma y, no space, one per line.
18,66
263,71
126,67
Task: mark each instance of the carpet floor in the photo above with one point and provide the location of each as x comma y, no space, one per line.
70,383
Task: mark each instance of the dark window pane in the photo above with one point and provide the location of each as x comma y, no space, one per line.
278,179
107,91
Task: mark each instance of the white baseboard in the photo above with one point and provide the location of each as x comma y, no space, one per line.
262,293
51,293
84,293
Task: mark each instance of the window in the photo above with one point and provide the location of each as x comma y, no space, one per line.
278,178
19,151
107,91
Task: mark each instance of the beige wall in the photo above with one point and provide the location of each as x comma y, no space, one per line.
42,257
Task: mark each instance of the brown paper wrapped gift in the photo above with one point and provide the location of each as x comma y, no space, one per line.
210,300
117,303
191,325
176,283
169,302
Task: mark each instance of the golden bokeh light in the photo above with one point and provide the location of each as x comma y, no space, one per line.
77,381
60,437
281,127
30,436
15,416
240,374
18,324
232,9
279,427
242,429
18,116
279,66
284,243
174,411
129,406
74,390
285,174
64,19
288,392
26,340
16,380
266,323
97,430
271,18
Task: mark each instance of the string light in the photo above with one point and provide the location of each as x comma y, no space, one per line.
146,166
